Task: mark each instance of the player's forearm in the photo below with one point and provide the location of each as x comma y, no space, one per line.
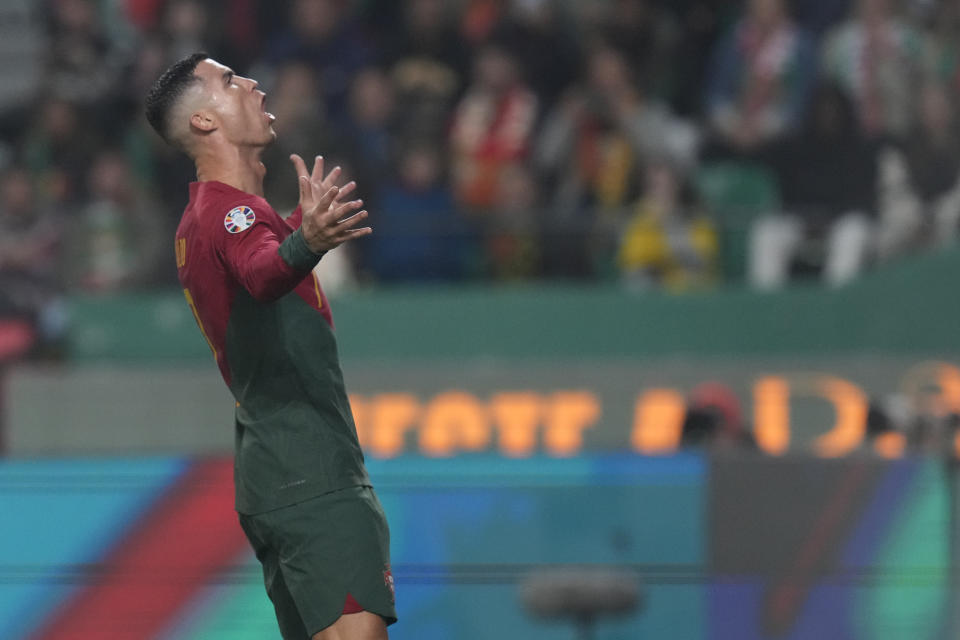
275,269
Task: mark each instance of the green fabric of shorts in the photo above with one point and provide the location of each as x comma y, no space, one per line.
317,551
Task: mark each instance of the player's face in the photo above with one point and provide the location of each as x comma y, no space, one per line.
237,104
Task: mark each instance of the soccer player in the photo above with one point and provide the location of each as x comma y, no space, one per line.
302,492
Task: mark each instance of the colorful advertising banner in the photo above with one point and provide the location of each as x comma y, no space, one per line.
827,407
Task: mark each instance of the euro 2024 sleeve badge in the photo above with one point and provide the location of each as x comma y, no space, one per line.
239,219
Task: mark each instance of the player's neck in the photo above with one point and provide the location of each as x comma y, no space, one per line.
239,167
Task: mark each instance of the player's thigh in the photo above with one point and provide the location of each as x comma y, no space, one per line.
355,626
288,616
330,547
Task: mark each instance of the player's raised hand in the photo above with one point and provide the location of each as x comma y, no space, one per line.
329,223
321,182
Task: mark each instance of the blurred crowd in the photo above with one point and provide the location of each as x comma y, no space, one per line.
662,144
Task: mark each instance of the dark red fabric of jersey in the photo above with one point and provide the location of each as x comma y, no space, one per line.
213,261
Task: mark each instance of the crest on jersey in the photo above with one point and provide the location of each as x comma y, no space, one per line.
239,219
388,582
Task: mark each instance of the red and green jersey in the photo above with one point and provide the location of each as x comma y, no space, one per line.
248,276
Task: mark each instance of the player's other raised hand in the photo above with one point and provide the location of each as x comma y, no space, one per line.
316,177
327,222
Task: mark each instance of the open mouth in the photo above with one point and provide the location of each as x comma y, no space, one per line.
263,107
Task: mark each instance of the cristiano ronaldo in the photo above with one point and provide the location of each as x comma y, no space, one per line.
303,495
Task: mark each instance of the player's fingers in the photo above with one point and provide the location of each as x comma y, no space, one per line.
346,190
325,199
332,177
318,190
305,187
344,209
355,233
317,169
352,221
299,165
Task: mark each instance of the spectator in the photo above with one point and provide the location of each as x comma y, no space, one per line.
827,175
479,20
550,197
227,30
590,150
428,35
921,204
162,170
57,149
320,34
24,46
714,420
884,431
701,23
762,72
492,127
511,241
420,236
84,64
118,238
876,58
818,16
667,243
30,237
302,127
941,56
428,65
371,128
648,36
933,427
181,28
599,133
185,27
547,46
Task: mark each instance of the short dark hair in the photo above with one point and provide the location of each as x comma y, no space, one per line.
168,88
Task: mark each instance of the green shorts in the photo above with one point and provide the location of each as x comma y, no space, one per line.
314,553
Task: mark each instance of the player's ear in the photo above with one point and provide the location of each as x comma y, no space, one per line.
203,121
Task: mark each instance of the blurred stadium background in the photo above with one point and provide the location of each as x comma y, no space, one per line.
660,288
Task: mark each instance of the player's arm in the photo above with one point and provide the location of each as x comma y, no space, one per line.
316,176
269,267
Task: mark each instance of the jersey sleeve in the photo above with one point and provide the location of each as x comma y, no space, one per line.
295,219
267,265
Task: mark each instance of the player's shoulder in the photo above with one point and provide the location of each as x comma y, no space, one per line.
223,208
